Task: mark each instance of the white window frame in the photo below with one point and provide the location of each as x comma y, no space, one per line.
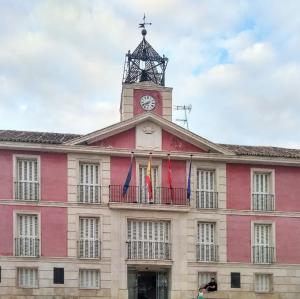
30,287
271,276
15,228
273,232
90,161
89,269
15,172
215,237
270,171
89,215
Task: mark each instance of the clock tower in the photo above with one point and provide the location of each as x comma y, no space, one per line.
143,86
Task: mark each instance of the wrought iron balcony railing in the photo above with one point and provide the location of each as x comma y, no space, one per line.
148,250
263,254
29,191
89,249
89,194
27,247
263,202
137,194
206,200
207,253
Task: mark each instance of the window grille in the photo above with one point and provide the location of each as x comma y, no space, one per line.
27,183
206,189
89,189
89,242
28,277
263,250
27,239
148,239
89,279
263,282
206,243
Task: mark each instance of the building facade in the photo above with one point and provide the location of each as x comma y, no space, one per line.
69,230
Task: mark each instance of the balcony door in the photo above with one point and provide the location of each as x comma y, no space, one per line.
143,191
263,250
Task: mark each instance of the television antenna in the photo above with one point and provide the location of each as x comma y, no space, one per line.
184,108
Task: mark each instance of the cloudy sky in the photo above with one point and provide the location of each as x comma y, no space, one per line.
236,61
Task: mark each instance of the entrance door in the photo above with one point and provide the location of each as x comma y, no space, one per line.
147,285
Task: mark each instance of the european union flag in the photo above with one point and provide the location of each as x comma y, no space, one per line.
128,178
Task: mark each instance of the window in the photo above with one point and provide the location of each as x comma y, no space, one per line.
206,242
235,280
27,179
262,194
27,236
58,275
263,250
206,197
89,189
205,277
28,277
89,241
148,240
143,192
89,279
263,282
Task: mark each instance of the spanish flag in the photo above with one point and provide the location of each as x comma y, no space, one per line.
149,180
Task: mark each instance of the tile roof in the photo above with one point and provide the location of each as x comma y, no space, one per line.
35,137
263,151
59,138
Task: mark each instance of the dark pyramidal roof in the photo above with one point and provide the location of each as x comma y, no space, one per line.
60,138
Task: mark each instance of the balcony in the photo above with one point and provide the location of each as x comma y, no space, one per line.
89,249
263,254
139,195
28,191
206,253
263,202
148,250
27,247
206,200
89,194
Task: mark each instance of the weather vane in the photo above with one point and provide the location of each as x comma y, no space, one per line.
143,25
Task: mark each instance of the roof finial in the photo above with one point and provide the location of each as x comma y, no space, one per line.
142,25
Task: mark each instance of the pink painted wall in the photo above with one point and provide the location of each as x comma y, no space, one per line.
238,186
53,229
119,168
173,143
54,177
124,140
239,238
287,187
138,93
6,175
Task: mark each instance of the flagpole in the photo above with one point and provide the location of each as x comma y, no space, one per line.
170,177
189,181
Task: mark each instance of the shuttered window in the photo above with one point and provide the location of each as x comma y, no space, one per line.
89,279
89,242
27,183
262,183
206,189
148,239
28,277
89,188
206,245
263,250
27,238
263,282
143,193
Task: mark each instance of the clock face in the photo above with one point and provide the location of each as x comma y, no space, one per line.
147,103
